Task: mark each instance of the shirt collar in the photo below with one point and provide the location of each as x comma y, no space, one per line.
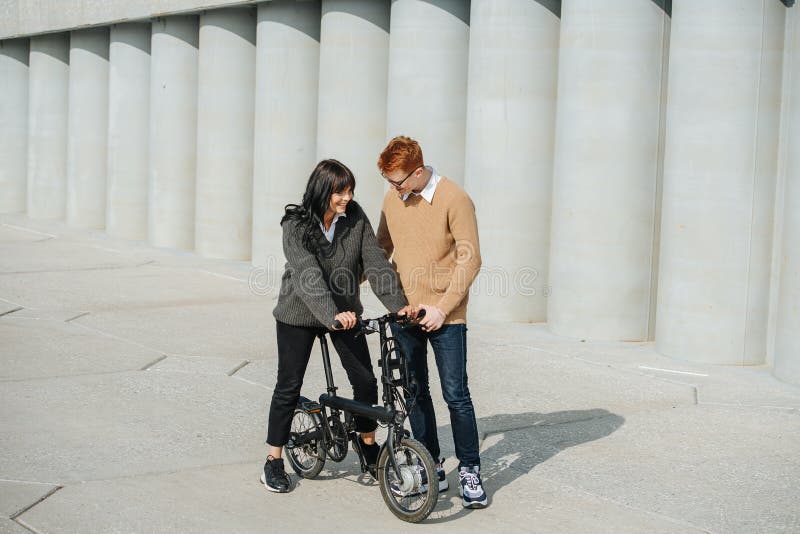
429,189
329,233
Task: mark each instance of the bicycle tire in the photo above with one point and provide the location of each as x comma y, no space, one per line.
307,460
408,499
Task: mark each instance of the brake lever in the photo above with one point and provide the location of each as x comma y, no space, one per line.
405,321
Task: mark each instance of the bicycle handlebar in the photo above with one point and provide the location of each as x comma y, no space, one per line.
391,317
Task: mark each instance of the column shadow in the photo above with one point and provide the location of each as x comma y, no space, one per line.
184,28
303,17
376,13
457,8
132,34
17,49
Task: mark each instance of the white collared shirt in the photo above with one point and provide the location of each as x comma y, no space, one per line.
329,233
429,189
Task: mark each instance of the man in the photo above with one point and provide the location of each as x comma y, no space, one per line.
428,224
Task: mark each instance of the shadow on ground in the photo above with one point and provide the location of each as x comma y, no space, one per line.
514,444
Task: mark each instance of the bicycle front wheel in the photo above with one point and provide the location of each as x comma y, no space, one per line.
307,453
408,496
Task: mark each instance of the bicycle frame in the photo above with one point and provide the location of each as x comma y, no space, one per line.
322,430
387,414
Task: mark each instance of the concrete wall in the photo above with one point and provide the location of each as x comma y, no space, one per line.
14,125
87,131
511,104
623,156
128,130
225,109
173,132
787,328
612,69
353,69
427,95
287,85
719,180
29,17
48,99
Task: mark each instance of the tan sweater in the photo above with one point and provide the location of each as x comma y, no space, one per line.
435,246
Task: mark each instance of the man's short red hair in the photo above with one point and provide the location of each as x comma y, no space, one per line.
401,153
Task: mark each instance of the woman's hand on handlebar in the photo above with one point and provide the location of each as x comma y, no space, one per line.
344,321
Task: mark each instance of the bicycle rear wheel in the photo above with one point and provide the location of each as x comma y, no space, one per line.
307,453
406,496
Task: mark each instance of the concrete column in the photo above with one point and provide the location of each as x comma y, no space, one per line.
47,126
427,96
606,168
719,180
353,70
87,141
225,108
128,131
173,132
513,72
13,125
287,79
787,332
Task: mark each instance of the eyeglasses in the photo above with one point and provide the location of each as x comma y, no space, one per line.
400,183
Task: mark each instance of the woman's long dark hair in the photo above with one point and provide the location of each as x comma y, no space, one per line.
328,177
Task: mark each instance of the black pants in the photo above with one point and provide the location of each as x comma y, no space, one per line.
294,349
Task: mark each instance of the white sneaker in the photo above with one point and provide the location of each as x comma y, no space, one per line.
471,489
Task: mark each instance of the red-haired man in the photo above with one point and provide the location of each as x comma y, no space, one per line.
428,227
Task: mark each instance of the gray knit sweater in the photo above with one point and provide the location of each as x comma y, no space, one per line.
315,287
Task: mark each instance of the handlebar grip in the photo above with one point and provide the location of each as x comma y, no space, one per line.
421,313
337,325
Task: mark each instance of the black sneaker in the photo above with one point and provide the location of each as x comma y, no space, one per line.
471,489
274,476
444,485
370,453
440,475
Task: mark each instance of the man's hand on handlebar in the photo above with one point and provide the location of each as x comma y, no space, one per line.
408,311
434,318
344,321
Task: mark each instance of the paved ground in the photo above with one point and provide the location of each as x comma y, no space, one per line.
134,384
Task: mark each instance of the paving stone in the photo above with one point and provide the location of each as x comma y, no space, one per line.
66,430
725,469
10,527
197,365
578,436
55,254
46,348
11,233
15,496
229,498
124,288
231,329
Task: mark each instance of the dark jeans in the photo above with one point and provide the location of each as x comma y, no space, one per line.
450,350
294,348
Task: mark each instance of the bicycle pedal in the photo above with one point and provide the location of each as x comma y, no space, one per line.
311,406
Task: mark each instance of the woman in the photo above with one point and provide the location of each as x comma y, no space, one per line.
329,245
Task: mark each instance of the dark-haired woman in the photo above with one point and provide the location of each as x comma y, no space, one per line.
329,246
